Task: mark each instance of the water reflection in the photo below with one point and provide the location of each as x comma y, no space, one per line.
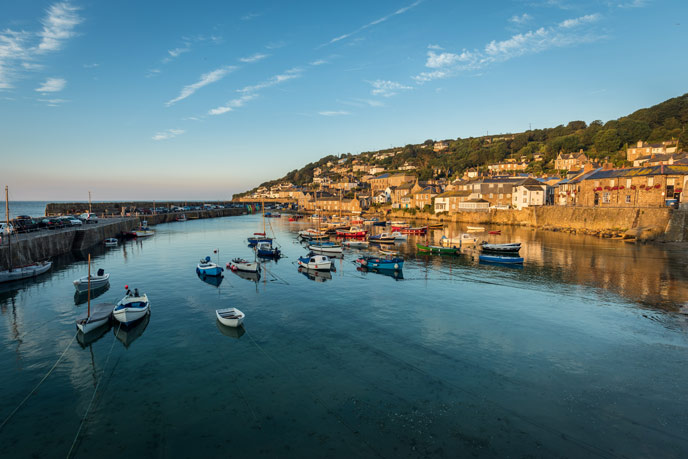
82,297
315,275
232,332
129,334
86,339
253,277
394,274
215,281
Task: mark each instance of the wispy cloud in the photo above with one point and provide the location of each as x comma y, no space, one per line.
52,85
575,22
386,88
373,23
362,102
334,113
58,26
177,51
53,102
276,44
570,32
232,104
633,4
91,66
250,16
275,80
435,47
206,79
152,73
254,58
19,51
168,134
521,19
318,62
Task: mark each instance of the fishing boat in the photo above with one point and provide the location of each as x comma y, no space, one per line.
464,239
101,279
239,264
131,308
512,247
316,262
111,242
399,224
475,229
394,263
370,221
436,249
97,316
258,238
143,230
312,234
266,250
501,259
383,238
399,236
230,317
206,267
325,247
21,272
412,230
354,231
181,218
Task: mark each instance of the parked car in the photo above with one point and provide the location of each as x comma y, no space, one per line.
51,223
24,224
88,218
5,229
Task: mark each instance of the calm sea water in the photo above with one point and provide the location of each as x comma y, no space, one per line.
30,208
581,353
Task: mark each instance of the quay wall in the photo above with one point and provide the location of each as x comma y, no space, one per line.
662,223
115,208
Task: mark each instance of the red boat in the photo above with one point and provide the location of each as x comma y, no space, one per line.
354,231
416,230
494,232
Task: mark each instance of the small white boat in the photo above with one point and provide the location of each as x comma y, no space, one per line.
131,308
143,230
101,279
111,242
318,262
97,316
230,317
239,264
400,223
475,229
354,244
325,247
399,236
513,247
24,272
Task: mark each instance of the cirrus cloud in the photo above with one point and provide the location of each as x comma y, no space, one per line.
52,85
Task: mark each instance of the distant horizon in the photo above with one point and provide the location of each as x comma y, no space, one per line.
225,96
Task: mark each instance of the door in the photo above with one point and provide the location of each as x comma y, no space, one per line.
597,199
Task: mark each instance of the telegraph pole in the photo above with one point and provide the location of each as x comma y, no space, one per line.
89,202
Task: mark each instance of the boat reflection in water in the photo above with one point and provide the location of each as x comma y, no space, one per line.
215,281
395,274
232,332
82,297
500,265
127,334
86,339
315,275
253,277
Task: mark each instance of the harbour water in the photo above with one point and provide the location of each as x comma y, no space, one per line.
30,208
579,353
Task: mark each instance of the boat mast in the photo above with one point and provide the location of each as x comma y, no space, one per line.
7,217
262,207
89,288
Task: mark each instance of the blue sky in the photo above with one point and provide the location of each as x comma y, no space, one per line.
172,100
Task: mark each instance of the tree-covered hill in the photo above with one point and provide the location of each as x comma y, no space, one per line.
664,121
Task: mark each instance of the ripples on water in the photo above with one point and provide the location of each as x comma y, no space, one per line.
579,353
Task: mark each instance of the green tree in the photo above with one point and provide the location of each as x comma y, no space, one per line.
607,141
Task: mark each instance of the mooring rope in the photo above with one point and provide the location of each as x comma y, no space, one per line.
95,391
39,383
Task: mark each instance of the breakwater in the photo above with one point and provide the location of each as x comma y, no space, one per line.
664,224
117,208
31,247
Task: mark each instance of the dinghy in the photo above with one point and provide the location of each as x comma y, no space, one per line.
394,263
325,247
23,272
475,229
97,316
266,250
207,268
501,259
399,236
239,264
131,308
354,231
316,262
101,279
111,242
513,247
143,230
437,249
354,244
383,238
230,317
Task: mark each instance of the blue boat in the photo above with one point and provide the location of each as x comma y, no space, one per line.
266,250
501,259
207,268
257,238
395,263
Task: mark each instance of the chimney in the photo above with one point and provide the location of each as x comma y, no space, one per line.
607,166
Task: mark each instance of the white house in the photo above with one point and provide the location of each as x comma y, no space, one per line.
529,195
381,198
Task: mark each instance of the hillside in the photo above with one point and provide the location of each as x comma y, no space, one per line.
599,140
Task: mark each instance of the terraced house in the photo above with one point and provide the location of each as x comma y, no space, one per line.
655,186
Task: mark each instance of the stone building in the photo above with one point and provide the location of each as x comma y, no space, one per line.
643,149
385,180
570,161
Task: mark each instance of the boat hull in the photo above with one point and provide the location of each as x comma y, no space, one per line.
25,272
81,285
381,263
436,249
502,260
131,309
209,270
230,317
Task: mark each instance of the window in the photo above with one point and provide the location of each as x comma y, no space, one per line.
525,200
611,182
650,181
628,183
501,195
605,198
525,192
628,199
491,196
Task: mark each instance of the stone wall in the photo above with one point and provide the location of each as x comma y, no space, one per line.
115,208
